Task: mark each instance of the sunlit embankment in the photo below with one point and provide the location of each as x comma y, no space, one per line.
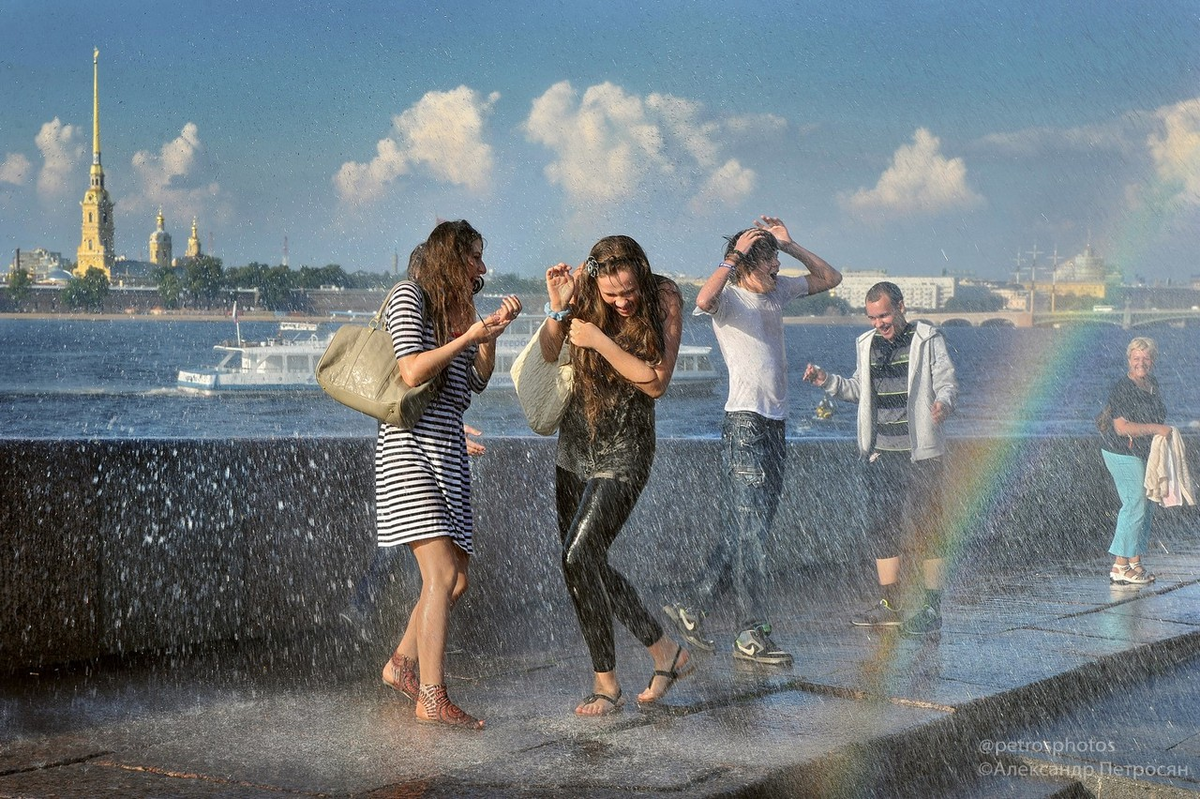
128,546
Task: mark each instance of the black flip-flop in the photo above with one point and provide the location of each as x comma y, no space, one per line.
615,703
671,674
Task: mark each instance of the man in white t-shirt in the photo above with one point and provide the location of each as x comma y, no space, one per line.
745,296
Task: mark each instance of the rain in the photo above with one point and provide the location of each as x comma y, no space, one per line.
194,602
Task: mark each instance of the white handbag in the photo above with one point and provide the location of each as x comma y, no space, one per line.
543,388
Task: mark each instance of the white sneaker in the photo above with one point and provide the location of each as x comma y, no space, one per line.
687,622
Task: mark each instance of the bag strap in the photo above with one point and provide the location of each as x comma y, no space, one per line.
379,322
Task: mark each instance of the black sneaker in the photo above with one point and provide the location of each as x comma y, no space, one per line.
880,615
756,645
924,621
687,622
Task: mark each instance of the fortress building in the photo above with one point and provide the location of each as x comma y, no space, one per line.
97,236
96,245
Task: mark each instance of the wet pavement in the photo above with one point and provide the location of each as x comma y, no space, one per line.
1041,675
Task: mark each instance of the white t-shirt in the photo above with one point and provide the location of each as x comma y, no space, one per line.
749,330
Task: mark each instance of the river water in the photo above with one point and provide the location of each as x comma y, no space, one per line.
113,379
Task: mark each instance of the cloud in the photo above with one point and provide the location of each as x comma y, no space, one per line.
15,169
605,146
1175,148
919,182
442,135
761,125
681,119
61,153
1123,135
609,144
729,185
176,178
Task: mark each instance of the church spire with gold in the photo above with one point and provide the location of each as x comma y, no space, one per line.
193,245
97,237
160,244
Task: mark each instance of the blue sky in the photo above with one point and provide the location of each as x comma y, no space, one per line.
913,137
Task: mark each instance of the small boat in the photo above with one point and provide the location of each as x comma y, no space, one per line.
285,362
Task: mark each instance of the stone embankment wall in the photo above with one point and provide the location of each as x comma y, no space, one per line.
131,546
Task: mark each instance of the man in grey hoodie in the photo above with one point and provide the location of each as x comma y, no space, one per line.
905,388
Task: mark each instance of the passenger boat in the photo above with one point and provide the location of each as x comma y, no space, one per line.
285,362
694,374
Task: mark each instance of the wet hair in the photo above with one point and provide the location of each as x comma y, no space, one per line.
444,272
1142,343
764,248
887,289
640,334
414,262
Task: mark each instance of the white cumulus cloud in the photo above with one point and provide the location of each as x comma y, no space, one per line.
176,178
1175,149
920,181
609,144
61,152
729,185
442,134
15,169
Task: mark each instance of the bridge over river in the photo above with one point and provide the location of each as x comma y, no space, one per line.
1126,319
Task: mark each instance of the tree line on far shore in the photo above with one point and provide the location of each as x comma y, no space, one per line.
204,284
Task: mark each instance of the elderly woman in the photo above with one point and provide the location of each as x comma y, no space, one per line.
1137,412
623,324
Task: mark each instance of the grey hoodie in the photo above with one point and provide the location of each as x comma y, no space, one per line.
930,379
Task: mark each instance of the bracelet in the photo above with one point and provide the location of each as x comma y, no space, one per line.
727,265
558,316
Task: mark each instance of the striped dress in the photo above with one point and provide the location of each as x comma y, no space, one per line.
422,476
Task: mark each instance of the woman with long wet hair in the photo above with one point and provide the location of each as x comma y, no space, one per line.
623,324
422,478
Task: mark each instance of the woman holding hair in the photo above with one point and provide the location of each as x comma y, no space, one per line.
1137,411
623,324
422,477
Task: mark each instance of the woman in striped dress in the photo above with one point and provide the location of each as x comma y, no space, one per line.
422,478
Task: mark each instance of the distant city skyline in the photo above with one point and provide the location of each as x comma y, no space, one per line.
946,136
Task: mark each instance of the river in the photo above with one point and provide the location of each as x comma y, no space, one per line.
112,379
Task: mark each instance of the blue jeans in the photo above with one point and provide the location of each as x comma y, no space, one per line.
1133,521
754,453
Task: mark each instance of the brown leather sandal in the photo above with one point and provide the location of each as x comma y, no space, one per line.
404,670
434,707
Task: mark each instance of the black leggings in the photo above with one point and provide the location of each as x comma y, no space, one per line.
590,516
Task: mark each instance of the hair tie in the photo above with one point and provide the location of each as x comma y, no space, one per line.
593,267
